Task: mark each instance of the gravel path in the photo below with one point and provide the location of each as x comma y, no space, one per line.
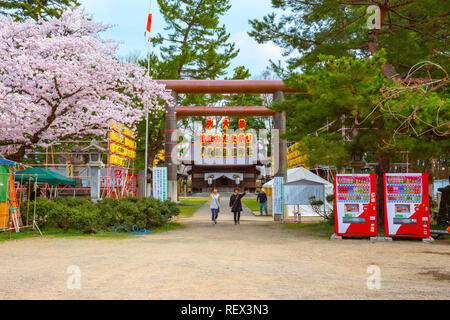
254,260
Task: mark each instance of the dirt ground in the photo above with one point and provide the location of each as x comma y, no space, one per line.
254,260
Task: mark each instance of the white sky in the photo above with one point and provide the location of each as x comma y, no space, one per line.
130,19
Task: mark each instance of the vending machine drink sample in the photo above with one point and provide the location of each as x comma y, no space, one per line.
355,205
407,211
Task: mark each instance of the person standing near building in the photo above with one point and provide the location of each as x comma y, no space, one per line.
236,204
214,205
262,198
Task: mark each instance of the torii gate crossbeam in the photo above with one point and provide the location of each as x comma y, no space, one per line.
275,87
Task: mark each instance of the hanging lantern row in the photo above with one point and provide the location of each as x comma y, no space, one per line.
231,152
208,138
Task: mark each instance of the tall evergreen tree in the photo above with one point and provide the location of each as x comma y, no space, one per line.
35,9
195,46
411,31
351,109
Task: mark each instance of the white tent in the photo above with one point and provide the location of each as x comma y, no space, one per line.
302,174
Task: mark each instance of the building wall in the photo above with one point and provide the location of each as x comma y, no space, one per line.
200,185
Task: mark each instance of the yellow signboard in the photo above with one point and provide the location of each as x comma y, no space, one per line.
118,160
294,157
122,145
120,139
122,129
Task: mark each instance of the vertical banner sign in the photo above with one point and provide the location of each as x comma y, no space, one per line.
131,185
407,211
278,196
160,183
355,205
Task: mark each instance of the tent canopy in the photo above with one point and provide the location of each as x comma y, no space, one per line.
301,174
305,177
43,176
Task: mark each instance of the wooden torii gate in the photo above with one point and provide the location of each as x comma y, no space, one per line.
275,87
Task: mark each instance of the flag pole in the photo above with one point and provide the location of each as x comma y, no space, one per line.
146,115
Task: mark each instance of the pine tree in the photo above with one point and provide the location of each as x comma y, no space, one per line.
411,31
351,109
196,46
35,9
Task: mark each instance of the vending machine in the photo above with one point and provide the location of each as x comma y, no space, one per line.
406,211
355,205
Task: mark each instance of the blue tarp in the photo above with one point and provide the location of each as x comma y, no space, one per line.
7,162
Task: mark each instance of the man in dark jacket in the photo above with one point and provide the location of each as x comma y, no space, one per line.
236,204
262,198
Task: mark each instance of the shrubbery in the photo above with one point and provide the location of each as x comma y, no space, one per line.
84,215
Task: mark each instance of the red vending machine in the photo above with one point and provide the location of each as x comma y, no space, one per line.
355,205
406,209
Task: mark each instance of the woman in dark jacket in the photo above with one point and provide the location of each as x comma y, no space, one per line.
236,204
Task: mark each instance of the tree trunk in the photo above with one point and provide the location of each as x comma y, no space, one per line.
17,156
384,164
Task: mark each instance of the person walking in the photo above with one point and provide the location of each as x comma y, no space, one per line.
214,205
262,198
236,204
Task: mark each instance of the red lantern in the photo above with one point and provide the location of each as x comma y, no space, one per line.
210,138
249,138
203,138
226,139
226,124
241,138
209,124
242,124
218,139
234,138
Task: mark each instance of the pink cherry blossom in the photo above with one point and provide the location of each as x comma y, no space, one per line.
59,79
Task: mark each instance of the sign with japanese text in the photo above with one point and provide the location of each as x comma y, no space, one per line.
278,195
160,183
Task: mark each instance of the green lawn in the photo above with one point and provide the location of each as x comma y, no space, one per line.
251,204
186,212
194,201
54,232
191,206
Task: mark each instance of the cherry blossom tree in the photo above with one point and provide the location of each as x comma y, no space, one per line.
59,79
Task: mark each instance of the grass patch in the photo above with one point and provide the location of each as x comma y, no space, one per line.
322,229
190,205
194,201
187,212
252,204
58,233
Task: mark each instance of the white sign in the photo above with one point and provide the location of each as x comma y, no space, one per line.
300,194
160,183
278,196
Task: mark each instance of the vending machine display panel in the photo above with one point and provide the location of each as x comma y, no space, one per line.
407,211
355,205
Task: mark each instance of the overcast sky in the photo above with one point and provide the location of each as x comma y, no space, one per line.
130,19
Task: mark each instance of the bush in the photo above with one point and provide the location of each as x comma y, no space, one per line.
88,217
317,207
